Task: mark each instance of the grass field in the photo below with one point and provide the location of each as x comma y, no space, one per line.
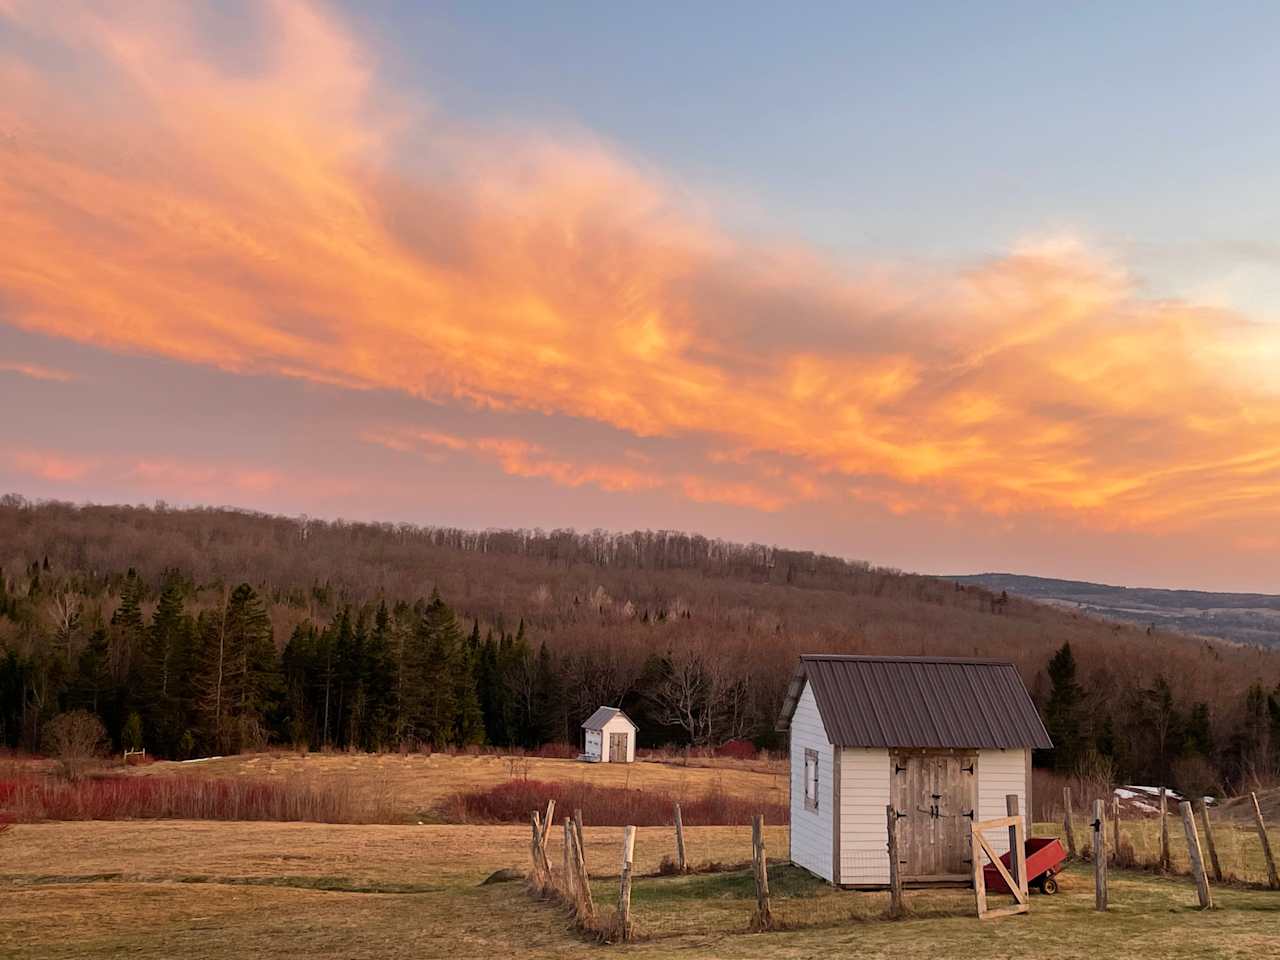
411,787
208,890
204,890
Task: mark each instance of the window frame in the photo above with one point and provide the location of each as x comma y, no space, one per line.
811,799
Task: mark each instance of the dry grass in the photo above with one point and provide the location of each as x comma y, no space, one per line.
204,890
1239,849
415,785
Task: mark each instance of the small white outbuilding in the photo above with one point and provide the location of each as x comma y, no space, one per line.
610,737
943,740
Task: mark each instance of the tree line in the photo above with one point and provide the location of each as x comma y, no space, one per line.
206,631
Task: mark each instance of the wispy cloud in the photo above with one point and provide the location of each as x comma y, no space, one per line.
35,371
272,220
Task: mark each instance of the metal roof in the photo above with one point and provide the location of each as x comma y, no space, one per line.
918,702
602,716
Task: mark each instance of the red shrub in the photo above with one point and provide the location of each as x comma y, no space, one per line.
512,801
30,799
737,749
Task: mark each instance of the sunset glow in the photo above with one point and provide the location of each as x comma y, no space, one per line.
541,305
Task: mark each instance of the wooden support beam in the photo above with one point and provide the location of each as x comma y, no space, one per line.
895,876
1099,858
1017,862
1273,880
1011,808
1195,855
1066,822
1208,840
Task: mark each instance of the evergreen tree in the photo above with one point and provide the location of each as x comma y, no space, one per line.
166,667
1063,712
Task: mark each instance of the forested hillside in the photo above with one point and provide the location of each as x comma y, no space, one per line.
213,630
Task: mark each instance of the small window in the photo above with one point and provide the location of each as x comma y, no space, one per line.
811,779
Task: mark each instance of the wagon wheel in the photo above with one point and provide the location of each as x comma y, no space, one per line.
1049,886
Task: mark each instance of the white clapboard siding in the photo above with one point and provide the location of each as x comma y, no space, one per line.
1000,772
865,785
811,838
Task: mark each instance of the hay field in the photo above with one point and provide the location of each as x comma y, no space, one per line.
412,786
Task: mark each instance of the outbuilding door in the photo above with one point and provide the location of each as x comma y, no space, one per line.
935,795
617,748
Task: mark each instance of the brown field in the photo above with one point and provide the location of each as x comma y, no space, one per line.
221,890
411,786
205,890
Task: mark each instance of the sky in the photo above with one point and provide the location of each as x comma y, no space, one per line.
945,289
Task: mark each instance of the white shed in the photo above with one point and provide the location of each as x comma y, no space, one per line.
610,737
944,740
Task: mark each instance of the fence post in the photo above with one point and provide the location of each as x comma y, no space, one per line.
586,907
577,829
539,874
1273,881
1099,858
681,864
1066,822
1166,861
624,889
895,878
763,919
1011,808
1208,839
1194,854
567,868
1115,830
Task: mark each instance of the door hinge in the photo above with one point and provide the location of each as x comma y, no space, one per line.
968,769
898,769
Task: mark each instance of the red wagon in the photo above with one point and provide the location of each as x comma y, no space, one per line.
1045,857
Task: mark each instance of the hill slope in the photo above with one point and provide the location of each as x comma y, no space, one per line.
696,638
1239,617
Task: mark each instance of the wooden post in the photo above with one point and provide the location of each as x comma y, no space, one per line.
624,889
1208,839
548,820
1066,823
1115,830
1099,858
1011,808
582,883
895,878
568,868
539,873
577,830
1165,859
1273,881
681,864
763,919
1194,854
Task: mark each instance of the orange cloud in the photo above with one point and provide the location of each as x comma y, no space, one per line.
261,220
521,458
187,479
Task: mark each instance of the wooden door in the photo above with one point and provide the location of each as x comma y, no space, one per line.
934,795
617,748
